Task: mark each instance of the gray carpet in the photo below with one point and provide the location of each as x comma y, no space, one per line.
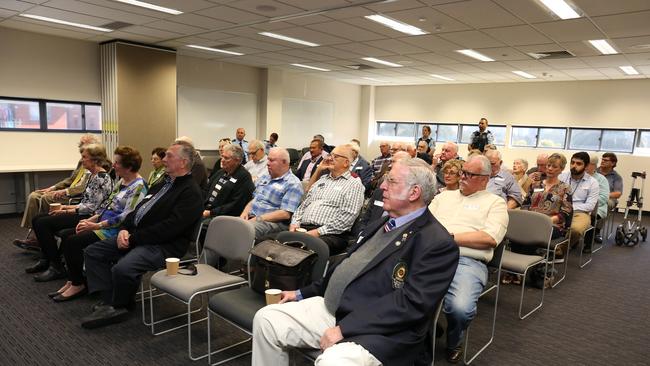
598,316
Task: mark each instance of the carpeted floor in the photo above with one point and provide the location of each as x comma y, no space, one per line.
598,316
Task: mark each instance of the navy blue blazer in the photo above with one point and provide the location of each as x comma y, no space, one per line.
363,169
302,169
388,307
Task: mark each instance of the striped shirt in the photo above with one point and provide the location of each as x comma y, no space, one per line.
378,162
272,194
331,203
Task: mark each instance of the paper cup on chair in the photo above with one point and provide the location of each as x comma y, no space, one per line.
55,207
172,266
272,296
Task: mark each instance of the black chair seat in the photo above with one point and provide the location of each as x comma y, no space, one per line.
238,306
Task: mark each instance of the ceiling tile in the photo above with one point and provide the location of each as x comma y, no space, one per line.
530,11
228,14
315,4
570,30
434,59
434,20
243,41
186,6
491,76
541,48
633,44
605,61
272,26
625,25
347,13
200,21
639,58
396,46
134,37
492,66
345,30
582,73
366,51
434,69
54,30
465,68
15,5
165,25
313,56
307,35
68,16
517,35
528,65
253,6
431,42
503,53
387,6
100,11
311,19
215,35
580,49
596,8
479,13
566,64
472,39
612,72
7,13
335,52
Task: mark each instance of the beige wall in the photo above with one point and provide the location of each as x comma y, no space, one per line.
615,103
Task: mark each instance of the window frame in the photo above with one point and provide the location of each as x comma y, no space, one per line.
475,126
537,137
42,109
636,132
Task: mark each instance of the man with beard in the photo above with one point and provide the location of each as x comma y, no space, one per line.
584,192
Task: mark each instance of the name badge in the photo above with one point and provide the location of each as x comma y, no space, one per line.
538,190
499,179
217,187
471,207
214,193
147,196
379,203
358,168
233,180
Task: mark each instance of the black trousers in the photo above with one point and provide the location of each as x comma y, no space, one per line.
117,273
47,226
72,246
337,243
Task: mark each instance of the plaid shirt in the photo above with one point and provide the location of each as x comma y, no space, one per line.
331,203
282,193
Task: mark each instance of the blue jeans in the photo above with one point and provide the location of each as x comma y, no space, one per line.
460,302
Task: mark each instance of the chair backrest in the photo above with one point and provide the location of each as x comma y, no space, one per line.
293,156
313,243
529,228
230,237
497,255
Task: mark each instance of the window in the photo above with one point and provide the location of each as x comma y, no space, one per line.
643,144
447,133
602,140
47,115
405,130
19,114
392,129
538,137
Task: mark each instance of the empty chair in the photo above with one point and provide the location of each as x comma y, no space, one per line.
238,307
228,237
527,228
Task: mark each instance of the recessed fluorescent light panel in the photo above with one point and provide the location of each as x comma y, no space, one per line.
72,24
524,74
629,70
441,77
603,46
376,80
475,55
215,50
142,4
561,9
310,67
396,25
288,39
382,62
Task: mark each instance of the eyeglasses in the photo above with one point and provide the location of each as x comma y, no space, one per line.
471,175
338,156
253,152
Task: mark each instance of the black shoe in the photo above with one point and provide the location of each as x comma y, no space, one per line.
586,250
455,355
103,316
54,294
599,239
61,298
27,244
39,266
97,305
52,273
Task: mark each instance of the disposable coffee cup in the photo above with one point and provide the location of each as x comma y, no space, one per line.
301,230
55,207
172,266
272,296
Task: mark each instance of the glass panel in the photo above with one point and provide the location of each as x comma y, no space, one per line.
466,133
584,139
524,136
499,133
385,129
447,133
62,116
93,117
405,130
617,140
552,137
643,148
19,114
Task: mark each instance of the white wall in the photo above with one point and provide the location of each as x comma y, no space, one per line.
615,103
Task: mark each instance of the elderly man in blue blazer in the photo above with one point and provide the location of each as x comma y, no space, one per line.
375,307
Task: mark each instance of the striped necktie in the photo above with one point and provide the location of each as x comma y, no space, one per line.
390,225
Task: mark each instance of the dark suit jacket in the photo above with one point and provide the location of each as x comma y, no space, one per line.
373,210
363,169
302,169
171,221
233,196
199,172
392,323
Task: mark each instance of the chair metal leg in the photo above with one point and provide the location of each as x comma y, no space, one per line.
523,290
551,258
588,258
494,323
433,333
210,352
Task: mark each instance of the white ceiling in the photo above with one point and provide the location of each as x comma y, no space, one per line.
505,30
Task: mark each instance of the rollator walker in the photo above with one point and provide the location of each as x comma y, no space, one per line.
628,233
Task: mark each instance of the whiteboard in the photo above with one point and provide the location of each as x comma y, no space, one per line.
302,119
208,115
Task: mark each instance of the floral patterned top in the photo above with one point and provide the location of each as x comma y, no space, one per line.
98,188
552,201
119,204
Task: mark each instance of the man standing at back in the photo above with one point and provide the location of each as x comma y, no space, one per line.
239,140
375,307
482,136
477,220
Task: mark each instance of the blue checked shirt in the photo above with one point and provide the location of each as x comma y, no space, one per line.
282,193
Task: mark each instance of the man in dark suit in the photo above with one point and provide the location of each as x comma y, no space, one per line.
310,160
160,227
375,306
360,166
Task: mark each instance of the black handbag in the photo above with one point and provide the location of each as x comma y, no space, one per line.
283,266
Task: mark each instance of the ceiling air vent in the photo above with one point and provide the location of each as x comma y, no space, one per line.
550,55
360,67
116,25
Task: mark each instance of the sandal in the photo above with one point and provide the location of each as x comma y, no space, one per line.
506,279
